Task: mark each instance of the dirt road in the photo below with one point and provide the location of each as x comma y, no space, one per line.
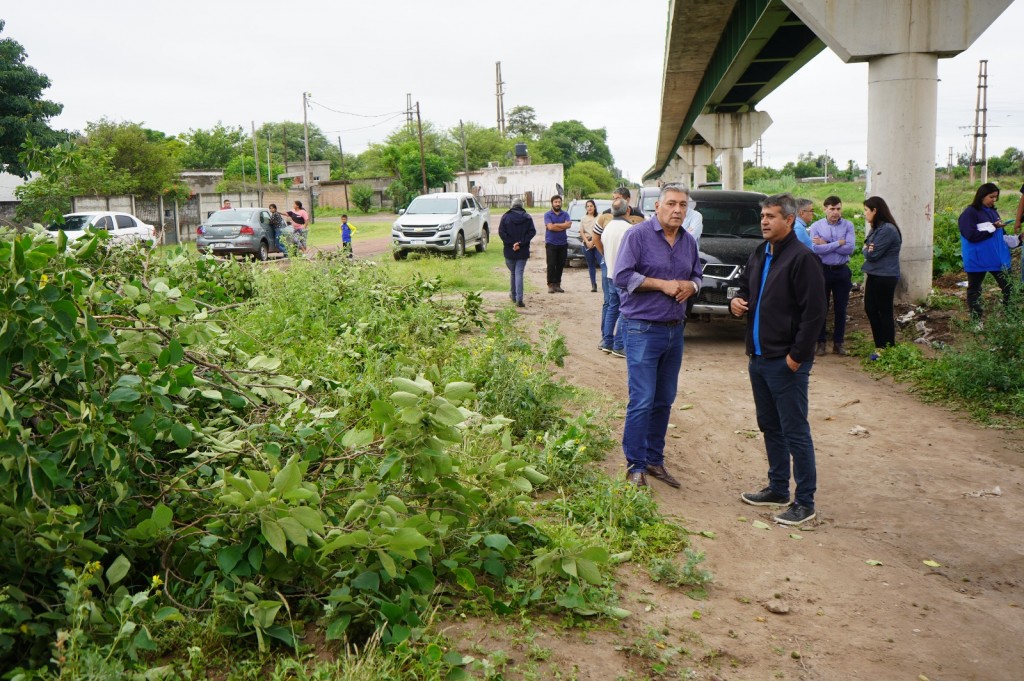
919,485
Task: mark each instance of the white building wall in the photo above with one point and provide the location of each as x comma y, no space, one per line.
539,179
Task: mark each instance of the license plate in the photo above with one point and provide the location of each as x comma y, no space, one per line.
418,242
222,245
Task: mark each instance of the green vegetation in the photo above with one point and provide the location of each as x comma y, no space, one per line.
204,461
476,272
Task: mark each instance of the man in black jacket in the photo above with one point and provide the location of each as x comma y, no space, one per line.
782,292
515,231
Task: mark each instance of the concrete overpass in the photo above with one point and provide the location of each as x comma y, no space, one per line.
723,58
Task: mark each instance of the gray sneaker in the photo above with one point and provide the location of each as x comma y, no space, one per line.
795,515
765,497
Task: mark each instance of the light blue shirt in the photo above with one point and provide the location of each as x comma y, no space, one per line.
800,227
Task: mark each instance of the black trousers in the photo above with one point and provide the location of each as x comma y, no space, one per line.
878,296
556,256
838,284
974,280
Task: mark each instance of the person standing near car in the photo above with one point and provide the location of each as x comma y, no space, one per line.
804,217
556,243
658,272
608,242
277,224
833,242
633,215
516,230
590,254
300,222
226,205
782,294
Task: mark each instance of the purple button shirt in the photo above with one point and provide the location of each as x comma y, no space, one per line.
645,252
832,253
555,238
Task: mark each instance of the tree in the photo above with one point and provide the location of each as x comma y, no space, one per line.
65,171
579,184
288,136
522,122
362,197
23,111
482,145
214,148
569,142
602,178
150,159
438,170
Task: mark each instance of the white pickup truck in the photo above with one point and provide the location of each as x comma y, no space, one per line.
446,223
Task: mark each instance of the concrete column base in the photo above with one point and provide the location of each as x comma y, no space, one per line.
730,134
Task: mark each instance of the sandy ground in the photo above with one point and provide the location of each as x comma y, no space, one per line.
916,486
911,489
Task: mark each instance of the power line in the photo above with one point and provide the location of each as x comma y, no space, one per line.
366,127
350,113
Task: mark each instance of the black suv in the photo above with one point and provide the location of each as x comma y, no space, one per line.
732,230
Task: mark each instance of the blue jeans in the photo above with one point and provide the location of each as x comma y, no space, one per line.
516,269
654,354
592,257
780,397
611,337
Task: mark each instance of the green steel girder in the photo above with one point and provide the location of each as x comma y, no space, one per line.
762,45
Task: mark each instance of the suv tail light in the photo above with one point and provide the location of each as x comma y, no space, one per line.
246,229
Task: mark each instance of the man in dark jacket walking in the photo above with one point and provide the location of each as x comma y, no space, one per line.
515,231
782,292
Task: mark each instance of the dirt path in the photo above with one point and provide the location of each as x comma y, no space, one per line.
908,491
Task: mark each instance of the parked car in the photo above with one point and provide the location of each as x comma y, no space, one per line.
732,230
447,222
122,227
237,231
646,197
577,209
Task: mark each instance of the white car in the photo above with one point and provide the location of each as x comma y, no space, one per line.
446,223
123,227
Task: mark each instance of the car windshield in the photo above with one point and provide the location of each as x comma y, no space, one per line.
232,216
649,202
425,206
72,223
577,211
731,220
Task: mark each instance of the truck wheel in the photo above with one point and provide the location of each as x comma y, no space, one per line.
460,246
484,238
401,255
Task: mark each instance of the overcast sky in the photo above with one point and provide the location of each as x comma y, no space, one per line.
186,64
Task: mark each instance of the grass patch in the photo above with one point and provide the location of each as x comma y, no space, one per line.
476,272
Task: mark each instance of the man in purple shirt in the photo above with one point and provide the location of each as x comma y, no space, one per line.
556,245
658,274
833,242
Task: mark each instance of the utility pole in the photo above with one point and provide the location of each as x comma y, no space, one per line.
980,112
342,154
500,93
825,174
758,154
270,171
308,179
423,162
465,154
241,144
949,163
408,111
256,157
284,146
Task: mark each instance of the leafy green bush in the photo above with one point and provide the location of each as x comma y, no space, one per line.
188,438
362,196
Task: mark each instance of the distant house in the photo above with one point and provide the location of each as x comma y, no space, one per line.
8,200
494,185
319,170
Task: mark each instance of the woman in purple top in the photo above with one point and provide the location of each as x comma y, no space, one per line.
982,246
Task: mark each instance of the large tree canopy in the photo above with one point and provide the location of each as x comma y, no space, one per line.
569,142
23,111
149,156
214,148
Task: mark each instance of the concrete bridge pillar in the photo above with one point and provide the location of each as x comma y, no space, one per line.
697,157
731,133
677,170
902,41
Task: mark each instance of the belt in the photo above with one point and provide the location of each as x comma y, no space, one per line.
675,322
836,267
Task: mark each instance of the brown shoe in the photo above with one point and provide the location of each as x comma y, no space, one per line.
551,288
820,352
559,289
637,478
838,349
659,473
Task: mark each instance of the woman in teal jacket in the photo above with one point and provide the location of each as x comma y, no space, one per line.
982,246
